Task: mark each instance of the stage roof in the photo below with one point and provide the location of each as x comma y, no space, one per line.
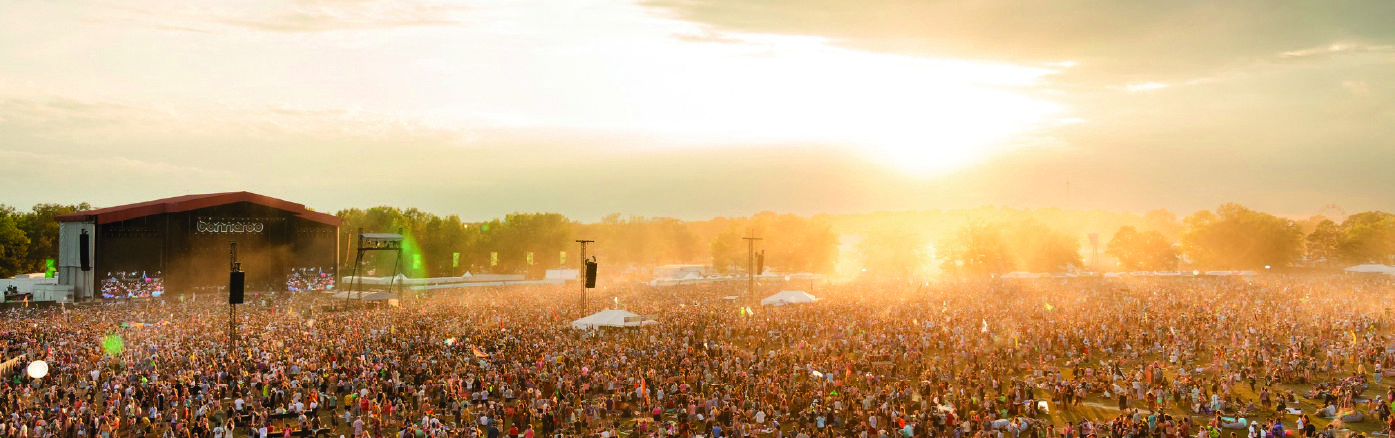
184,203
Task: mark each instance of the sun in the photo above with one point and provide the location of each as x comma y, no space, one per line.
918,116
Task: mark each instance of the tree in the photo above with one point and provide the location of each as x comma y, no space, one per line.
1163,222
1368,237
1037,248
14,245
522,233
725,252
1323,243
791,243
799,244
638,240
440,239
893,255
1235,237
41,227
1146,251
976,249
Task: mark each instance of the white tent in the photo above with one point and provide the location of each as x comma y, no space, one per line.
1372,268
612,318
365,295
788,297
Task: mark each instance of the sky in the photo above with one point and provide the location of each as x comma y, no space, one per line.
702,108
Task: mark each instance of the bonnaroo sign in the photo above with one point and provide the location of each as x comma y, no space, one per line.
229,226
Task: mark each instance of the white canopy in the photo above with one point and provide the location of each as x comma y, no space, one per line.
1372,267
788,297
612,318
365,295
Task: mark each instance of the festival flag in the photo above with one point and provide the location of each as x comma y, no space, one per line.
493,259
455,260
563,258
530,258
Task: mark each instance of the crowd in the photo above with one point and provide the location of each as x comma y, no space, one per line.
309,279
1163,358
132,285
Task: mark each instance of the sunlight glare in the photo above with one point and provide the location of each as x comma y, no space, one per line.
688,85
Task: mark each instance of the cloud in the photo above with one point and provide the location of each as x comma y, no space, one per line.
298,16
702,107
324,16
1145,86
62,117
1360,88
1190,103
1333,50
1113,42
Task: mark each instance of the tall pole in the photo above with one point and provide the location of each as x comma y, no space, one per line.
751,265
233,266
582,275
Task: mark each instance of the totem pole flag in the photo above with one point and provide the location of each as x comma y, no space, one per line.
530,258
563,258
493,259
455,260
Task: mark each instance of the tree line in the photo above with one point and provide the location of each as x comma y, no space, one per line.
529,243
890,245
29,238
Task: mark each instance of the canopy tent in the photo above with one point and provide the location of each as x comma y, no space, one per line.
788,297
1372,268
398,279
612,318
366,295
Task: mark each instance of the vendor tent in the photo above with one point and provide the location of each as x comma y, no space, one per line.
612,318
1372,268
788,297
